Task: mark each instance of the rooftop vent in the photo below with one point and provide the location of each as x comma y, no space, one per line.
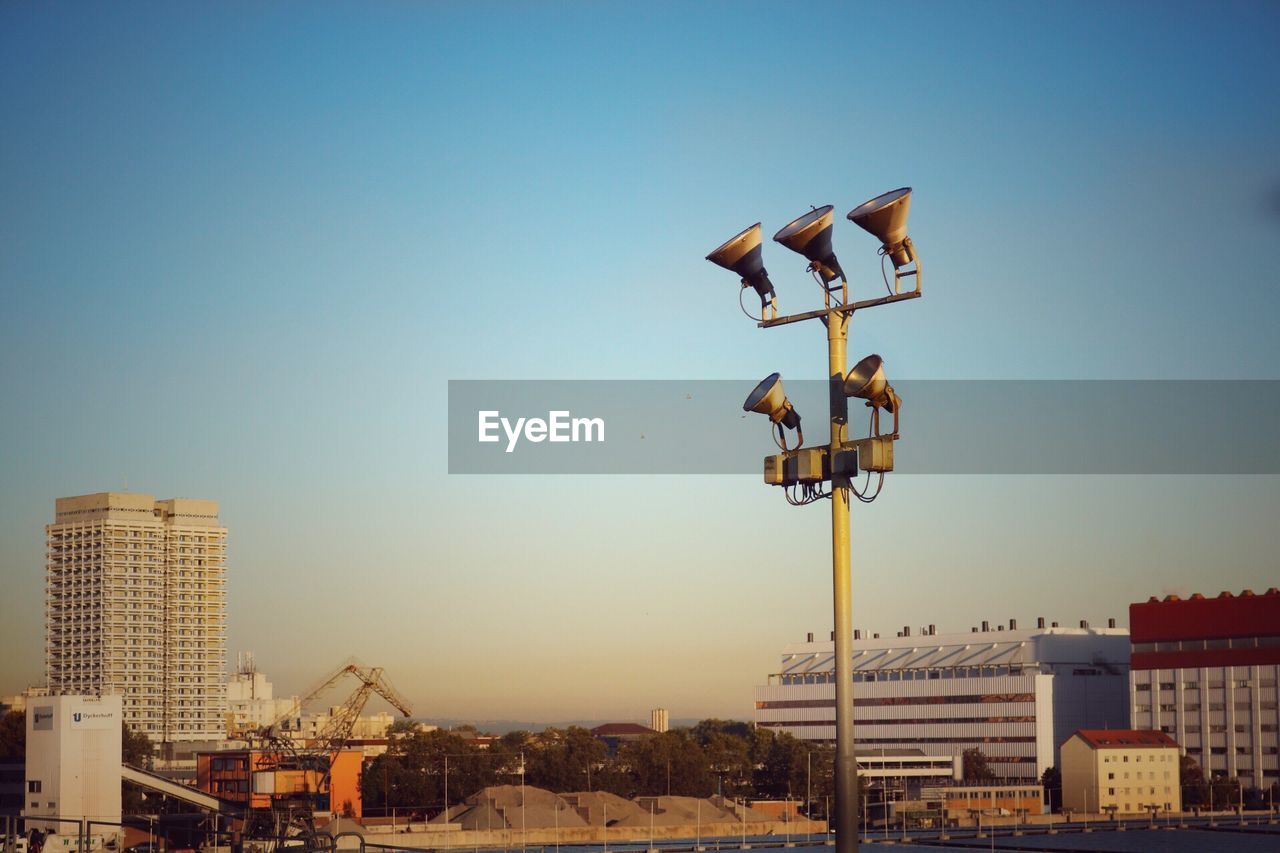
1225,594
1084,623
1248,593
1039,621
1195,596
1054,624
1172,598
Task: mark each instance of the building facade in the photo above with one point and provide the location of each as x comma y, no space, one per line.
135,605
1014,694
1206,672
1120,770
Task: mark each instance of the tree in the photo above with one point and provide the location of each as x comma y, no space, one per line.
135,748
1052,781
13,735
1225,792
975,766
782,767
1195,790
411,773
564,760
668,762
727,746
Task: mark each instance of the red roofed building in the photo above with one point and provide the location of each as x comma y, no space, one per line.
1205,671
615,734
1120,770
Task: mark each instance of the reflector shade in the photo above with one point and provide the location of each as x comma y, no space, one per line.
885,218
810,235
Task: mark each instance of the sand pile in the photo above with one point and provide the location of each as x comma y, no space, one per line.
500,807
686,811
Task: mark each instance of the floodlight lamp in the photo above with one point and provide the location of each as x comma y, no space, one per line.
741,254
768,398
810,235
885,218
867,381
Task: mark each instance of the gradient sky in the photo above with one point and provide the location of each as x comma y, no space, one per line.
244,247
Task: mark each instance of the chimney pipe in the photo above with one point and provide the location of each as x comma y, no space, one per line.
1084,623
906,630
1111,623
933,629
1039,621
986,626
857,633
1055,625
875,636
833,636
1013,624
973,630
809,637
999,627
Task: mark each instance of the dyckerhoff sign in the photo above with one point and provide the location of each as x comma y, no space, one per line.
93,719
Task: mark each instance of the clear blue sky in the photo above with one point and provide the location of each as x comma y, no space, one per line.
244,247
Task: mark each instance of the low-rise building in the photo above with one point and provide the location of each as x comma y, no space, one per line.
1120,770
257,778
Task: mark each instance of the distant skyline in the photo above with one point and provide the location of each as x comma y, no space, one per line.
243,249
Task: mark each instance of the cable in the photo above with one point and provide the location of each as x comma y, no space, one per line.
883,256
744,308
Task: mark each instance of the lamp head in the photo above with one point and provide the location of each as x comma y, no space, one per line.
885,218
867,381
810,235
741,254
768,398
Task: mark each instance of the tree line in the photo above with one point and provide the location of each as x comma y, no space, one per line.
421,770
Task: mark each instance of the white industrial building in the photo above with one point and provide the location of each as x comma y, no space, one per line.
1015,694
73,762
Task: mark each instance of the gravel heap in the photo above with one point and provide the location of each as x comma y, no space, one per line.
499,807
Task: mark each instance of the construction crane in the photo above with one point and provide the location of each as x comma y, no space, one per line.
293,815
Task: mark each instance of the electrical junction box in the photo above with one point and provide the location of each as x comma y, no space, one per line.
845,462
876,454
812,465
773,470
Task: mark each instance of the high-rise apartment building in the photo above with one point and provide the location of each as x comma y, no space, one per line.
135,605
658,720
1206,671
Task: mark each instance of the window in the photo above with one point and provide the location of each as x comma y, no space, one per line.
33,787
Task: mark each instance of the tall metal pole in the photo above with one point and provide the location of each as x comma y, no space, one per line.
846,769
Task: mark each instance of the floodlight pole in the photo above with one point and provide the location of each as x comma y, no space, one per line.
846,767
837,319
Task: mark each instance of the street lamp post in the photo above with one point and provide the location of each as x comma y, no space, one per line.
885,217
